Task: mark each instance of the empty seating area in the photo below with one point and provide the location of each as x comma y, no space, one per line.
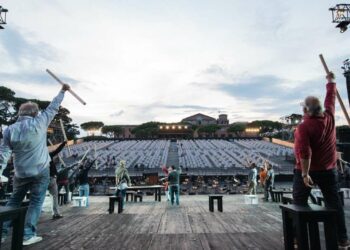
226,154
149,154
81,148
192,154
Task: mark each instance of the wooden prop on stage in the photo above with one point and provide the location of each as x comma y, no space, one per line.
70,90
95,156
65,136
338,95
59,157
87,151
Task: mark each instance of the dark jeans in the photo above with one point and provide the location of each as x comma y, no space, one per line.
327,181
174,193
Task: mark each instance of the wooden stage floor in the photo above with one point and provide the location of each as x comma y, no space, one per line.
154,225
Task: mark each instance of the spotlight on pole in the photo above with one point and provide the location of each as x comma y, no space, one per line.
2,17
341,16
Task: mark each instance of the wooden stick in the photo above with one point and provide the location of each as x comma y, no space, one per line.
70,90
338,95
65,136
87,151
59,157
95,157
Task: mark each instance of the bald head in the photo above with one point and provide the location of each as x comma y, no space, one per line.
28,109
312,106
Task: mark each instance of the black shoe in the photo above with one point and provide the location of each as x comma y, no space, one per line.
57,216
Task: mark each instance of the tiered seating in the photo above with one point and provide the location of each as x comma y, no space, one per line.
150,154
265,147
80,149
225,154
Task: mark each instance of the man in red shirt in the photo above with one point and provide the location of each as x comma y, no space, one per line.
316,156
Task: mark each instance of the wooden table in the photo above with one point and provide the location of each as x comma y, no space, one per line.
157,190
18,216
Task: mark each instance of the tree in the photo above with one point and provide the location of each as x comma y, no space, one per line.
209,129
237,128
92,126
112,130
9,106
7,110
266,125
146,130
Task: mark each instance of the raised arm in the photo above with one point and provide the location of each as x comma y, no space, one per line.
44,119
5,150
58,149
329,102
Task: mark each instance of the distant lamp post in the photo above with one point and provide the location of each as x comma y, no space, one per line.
346,68
2,17
341,16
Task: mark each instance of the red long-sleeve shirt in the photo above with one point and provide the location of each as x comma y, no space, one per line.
315,137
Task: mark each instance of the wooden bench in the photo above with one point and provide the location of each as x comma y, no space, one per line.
305,219
17,215
138,196
25,203
213,197
112,201
131,194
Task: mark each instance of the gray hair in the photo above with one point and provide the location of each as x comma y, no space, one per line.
312,106
28,109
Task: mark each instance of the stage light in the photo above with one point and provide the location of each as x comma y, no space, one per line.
341,16
2,16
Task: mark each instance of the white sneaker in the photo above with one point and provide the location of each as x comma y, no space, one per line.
32,240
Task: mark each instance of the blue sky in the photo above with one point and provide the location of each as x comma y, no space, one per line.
136,61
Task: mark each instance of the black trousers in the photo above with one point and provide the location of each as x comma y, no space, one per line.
327,181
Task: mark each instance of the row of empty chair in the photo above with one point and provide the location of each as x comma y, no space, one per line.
225,154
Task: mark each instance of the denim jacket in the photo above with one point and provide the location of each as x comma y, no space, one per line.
26,139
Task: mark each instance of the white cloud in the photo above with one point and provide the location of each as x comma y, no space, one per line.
129,55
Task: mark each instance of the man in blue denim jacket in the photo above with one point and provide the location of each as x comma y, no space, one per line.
26,140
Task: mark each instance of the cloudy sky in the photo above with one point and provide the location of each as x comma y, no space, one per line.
136,61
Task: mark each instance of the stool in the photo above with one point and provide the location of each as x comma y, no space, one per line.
276,196
346,192
213,197
251,199
287,200
305,219
138,196
131,193
79,201
18,217
112,201
320,199
61,198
